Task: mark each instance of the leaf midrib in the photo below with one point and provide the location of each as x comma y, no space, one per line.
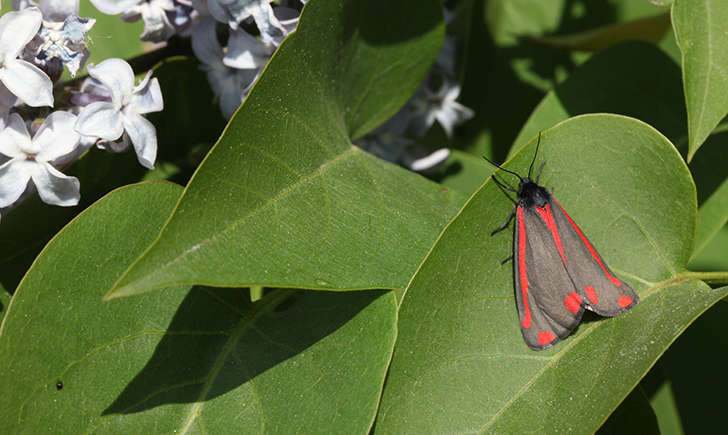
245,324
351,152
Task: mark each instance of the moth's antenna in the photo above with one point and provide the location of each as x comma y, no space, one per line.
504,189
530,168
502,168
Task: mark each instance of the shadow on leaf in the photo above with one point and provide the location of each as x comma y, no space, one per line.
218,341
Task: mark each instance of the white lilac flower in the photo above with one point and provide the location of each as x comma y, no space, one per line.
53,10
245,51
7,101
109,120
33,159
429,105
288,17
420,160
183,17
59,44
229,85
61,39
25,80
157,26
233,12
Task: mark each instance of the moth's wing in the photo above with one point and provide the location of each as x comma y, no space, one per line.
548,306
602,291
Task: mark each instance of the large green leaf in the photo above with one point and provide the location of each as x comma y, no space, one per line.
183,359
701,30
460,363
284,199
28,227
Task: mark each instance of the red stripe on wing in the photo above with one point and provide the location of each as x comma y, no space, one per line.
548,219
523,274
611,278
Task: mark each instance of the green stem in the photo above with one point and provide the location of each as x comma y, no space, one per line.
256,293
720,278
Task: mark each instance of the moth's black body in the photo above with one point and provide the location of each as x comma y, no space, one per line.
557,271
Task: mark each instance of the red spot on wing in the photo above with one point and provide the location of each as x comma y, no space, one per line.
573,302
545,337
624,301
548,219
611,278
522,272
591,294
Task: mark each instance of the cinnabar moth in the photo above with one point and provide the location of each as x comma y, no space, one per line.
557,271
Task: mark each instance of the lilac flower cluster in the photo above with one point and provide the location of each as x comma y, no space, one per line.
231,70
37,41
41,38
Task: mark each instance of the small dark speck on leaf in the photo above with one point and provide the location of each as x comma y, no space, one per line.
59,385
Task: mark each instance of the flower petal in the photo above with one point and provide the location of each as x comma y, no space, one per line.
157,27
54,187
205,44
27,82
100,119
246,51
427,162
116,75
16,30
147,99
14,177
58,10
451,115
230,99
271,30
114,7
14,138
143,136
56,137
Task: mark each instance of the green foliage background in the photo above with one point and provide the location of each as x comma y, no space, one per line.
383,306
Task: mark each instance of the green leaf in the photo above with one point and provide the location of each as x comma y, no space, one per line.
510,19
711,177
650,29
633,79
701,33
658,387
465,172
284,199
183,359
712,257
460,364
28,227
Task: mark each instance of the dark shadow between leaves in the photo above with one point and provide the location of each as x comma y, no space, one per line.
217,342
708,168
693,369
634,79
384,22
